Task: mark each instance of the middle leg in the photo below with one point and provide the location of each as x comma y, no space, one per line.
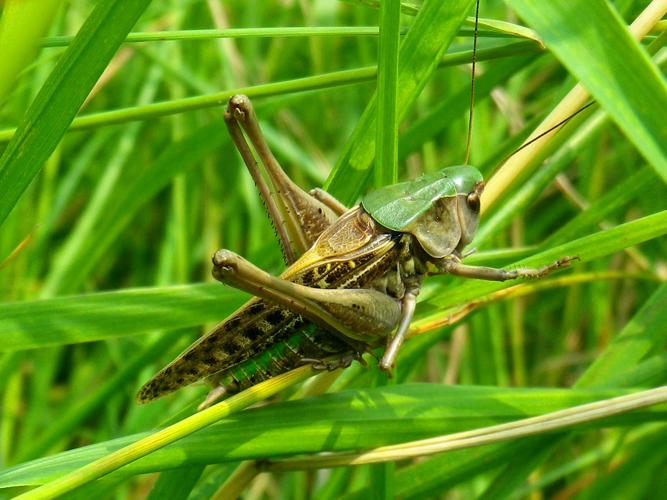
454,266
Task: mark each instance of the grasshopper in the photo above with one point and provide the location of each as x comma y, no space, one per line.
352,279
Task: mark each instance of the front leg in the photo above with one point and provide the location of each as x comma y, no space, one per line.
360,316
408,305
453,266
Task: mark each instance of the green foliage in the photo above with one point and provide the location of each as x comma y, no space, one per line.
109,219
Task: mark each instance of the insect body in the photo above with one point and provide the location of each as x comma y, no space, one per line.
353,275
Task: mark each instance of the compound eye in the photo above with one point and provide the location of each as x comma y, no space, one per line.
473,201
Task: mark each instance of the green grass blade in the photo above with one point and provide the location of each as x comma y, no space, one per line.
363,419
87,318
211,34
421,50
89,242
642,336
60,98
386,163
613,68
648,373
493,26
187,426
22,25
331,80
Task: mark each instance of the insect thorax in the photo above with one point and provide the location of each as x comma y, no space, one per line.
407,273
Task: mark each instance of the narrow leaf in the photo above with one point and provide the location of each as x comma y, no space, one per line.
421,50
86,318
613,68
386,163
61,96
22,26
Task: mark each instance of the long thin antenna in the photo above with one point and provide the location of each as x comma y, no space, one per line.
472,84
559,124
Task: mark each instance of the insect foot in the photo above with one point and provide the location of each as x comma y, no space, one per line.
330,365
387,368
548,269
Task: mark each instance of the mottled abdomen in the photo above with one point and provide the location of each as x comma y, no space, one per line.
307,343
262,340
250,330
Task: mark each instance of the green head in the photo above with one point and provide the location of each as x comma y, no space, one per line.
440,209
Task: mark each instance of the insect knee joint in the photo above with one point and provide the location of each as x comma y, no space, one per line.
225,260
239,104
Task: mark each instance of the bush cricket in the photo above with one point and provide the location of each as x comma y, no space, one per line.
352,279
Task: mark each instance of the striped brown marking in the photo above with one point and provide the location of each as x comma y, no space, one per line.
312,276
340,270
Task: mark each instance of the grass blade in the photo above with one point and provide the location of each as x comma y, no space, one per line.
87,318
645,333
613,68
141,448
363,418
60,98
386,163
22,25
428,38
